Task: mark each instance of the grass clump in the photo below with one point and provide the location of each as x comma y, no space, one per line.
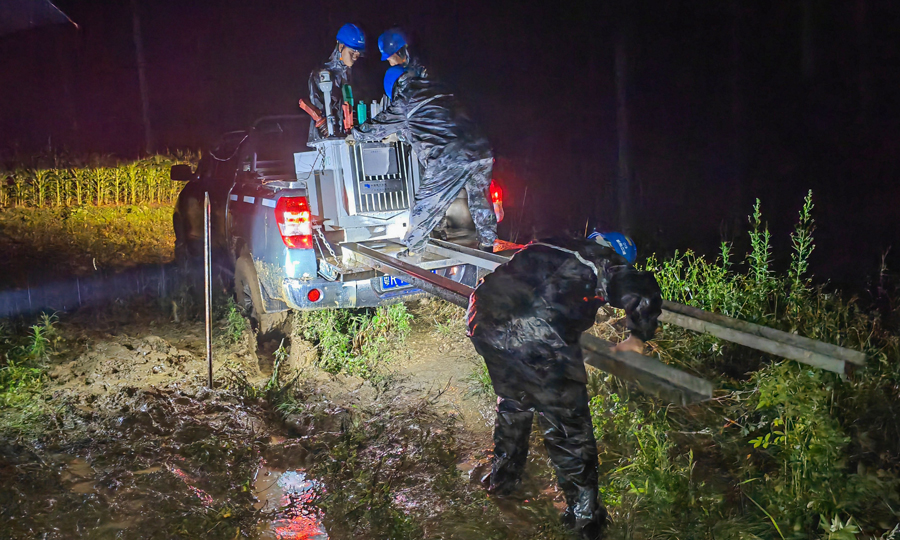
235,322
23,357
354,342
448,320
785,451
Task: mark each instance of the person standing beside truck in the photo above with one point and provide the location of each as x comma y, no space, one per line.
449,146
351,44
525,320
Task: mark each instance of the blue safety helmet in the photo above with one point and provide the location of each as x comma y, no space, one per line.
620,243
390,42
390,79
351,36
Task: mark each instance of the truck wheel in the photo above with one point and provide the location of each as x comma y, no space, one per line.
248,297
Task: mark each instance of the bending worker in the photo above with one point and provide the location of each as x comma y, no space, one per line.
448,144
525,319
351,43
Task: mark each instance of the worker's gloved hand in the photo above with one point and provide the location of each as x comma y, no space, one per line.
323,130
632,344
350,139
392,138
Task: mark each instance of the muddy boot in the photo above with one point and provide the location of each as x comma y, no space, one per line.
593,530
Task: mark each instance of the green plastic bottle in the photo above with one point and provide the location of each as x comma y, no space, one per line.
348,94
361,111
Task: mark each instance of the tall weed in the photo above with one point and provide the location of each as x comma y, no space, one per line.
786,450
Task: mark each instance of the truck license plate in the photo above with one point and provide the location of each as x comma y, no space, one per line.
390,282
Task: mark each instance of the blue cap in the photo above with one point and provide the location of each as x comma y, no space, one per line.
390,42
351,36
619,243
390,79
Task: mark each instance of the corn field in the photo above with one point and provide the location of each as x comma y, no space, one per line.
57,182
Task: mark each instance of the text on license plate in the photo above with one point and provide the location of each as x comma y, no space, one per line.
391,282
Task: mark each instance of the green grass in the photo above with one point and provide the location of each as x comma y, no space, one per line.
235,322
785,451
23,356
354,342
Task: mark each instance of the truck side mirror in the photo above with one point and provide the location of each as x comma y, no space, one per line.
182,173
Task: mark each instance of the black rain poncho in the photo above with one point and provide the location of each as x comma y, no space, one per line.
525,319
450,147
340,75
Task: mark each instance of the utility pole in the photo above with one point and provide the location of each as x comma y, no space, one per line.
142,77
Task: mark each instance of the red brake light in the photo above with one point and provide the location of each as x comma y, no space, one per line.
294,222
496,192
313,295
497,199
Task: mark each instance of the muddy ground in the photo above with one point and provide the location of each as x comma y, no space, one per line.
134,445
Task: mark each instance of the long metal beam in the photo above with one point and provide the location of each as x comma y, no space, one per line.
475,257
650,374
757,335
447,289
802,349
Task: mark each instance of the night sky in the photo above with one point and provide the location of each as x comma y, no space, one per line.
727,101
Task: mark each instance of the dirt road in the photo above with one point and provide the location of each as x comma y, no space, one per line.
134,445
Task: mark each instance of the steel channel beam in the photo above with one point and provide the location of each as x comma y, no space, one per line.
755,342
476,257
764,332
447,289
802,349
650,374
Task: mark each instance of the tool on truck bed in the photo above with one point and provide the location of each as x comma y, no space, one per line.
651,374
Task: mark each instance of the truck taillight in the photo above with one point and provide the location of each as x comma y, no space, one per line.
294,222
497,199
496,193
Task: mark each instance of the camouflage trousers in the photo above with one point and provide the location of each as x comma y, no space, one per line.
440,186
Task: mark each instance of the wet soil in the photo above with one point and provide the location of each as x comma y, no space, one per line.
135,446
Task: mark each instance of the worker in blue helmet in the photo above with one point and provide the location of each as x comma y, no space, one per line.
351,44
394,49
449,146
622,244
525,319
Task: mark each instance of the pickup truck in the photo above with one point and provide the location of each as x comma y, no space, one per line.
280,209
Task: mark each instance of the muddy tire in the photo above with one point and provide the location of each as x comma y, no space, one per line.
248,297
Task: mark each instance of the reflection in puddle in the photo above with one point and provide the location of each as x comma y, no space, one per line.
291,495
202,495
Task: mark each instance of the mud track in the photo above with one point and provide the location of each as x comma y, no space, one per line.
135,445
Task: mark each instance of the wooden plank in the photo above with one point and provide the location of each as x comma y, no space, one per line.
756,342
819,347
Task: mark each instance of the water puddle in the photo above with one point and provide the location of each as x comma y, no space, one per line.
204,497
291,495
